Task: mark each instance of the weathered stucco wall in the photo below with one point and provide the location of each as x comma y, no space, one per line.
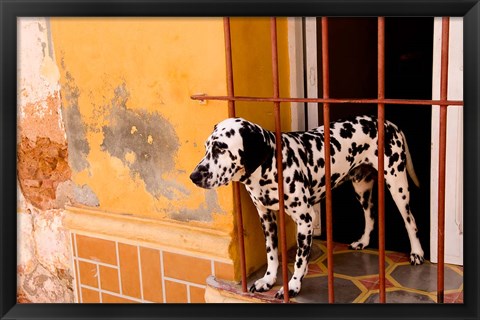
134,133
43,262
106,121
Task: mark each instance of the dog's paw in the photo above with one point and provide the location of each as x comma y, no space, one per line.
293,290
357,245
416,259
262,285
291,294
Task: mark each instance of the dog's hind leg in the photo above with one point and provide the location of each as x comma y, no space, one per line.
363,186
269,226
397,183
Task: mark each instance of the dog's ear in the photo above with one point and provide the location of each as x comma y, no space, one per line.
256,150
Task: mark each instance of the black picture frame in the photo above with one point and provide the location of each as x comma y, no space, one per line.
10,10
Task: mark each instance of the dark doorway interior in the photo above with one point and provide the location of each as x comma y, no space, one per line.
353,74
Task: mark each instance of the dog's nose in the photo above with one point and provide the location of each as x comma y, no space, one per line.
196,176
198,173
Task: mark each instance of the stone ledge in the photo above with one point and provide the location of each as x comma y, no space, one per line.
222,291
176,236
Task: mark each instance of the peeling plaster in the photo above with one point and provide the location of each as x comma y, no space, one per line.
51,240
43,247
70,193
40,287
44,271
78,146
145,142
84,195
41,166
38,99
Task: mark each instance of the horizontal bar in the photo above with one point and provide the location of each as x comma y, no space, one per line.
332,100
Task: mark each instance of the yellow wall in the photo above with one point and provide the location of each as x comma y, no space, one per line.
252,68
135,135
127,82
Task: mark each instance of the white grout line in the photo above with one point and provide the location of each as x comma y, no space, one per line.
140,276
98,283
74,249
80,296
188,294
186,282
100,291
98,262
163,277
72,257
118,266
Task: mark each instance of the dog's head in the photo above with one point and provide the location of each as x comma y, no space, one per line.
235,149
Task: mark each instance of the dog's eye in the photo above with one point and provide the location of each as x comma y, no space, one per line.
220,145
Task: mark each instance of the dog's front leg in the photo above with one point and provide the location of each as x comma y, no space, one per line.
269,226
304,245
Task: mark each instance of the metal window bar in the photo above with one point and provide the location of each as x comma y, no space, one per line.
328,185
278,143
380,157
381,102
442,160
236,184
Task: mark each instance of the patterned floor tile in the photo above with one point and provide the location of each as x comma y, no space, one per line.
315,290
397,257
356,278
355,263
373,283
400,296
424,277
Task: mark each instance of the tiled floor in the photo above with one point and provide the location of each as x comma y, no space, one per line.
356,278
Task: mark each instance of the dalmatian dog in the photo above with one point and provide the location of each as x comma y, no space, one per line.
239,150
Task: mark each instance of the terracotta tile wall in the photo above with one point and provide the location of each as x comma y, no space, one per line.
113,271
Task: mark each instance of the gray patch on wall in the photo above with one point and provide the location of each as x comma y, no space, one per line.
69,192
148,139
203,212
85,196
78,147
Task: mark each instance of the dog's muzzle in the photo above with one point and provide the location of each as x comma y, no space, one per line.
199,175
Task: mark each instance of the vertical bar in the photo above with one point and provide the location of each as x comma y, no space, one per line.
311,83
381,151
442,160
236,184
328,172
228,58
278,142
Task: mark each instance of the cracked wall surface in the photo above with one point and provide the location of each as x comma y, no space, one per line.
44,272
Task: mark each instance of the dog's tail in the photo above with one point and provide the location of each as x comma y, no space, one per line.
410,169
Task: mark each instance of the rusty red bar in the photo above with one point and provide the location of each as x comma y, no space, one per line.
332,100
442,161
236,185
278,143
381,150
328,172
228,58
